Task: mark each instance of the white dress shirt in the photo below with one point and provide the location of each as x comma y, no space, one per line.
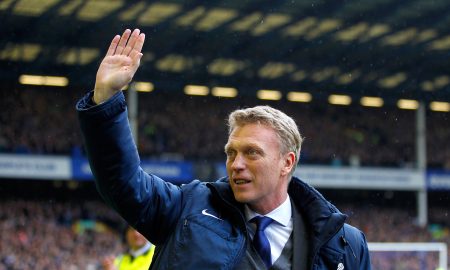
279,231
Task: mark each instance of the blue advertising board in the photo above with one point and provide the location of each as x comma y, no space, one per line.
177,172
438,180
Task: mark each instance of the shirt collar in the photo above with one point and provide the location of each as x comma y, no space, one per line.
282,214
141,251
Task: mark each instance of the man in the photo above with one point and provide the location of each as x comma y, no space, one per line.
138,257
259,217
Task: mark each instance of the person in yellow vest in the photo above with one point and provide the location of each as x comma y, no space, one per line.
138,257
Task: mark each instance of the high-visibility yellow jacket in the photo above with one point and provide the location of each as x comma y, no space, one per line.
142,262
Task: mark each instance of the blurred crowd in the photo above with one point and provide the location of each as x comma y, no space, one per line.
38,234
397,224
44,121
49,234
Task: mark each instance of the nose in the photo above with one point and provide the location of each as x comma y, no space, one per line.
238,163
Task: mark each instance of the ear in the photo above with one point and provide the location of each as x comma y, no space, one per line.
289,162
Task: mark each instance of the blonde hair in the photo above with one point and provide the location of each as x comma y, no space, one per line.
285,126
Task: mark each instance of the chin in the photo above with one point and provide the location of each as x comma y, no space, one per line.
242,198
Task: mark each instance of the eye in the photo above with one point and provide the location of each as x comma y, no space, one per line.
252,152
230,153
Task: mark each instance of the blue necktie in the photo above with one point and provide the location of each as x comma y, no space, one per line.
260,241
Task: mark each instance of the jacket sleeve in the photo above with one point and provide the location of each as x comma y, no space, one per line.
145,201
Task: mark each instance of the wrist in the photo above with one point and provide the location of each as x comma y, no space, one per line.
101,94
95,98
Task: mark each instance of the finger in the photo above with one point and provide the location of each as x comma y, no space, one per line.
131,42
139,43
123,41
113,46
138,46
136,62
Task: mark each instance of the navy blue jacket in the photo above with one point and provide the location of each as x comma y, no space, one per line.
199,225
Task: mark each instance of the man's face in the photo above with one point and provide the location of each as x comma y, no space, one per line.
134,239
257,171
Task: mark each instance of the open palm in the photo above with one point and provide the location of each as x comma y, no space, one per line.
119,65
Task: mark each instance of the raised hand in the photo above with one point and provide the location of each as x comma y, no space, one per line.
119,65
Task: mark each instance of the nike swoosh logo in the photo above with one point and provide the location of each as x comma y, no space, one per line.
210,215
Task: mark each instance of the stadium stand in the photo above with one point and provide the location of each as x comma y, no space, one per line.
44,227
61,227
388,49
334,135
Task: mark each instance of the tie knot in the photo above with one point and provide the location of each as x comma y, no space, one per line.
261,222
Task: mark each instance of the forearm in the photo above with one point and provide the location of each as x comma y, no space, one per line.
115,164
109,144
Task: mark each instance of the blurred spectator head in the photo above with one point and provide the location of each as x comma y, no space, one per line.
134,239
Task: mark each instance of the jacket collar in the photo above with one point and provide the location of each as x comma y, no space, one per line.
322,218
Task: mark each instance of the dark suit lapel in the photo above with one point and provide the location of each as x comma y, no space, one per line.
300,241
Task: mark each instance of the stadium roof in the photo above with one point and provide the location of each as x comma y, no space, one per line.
386,48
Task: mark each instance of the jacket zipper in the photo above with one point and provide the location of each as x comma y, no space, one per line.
235,209
321,244
346,243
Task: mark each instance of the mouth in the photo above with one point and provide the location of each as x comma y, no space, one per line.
240,181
